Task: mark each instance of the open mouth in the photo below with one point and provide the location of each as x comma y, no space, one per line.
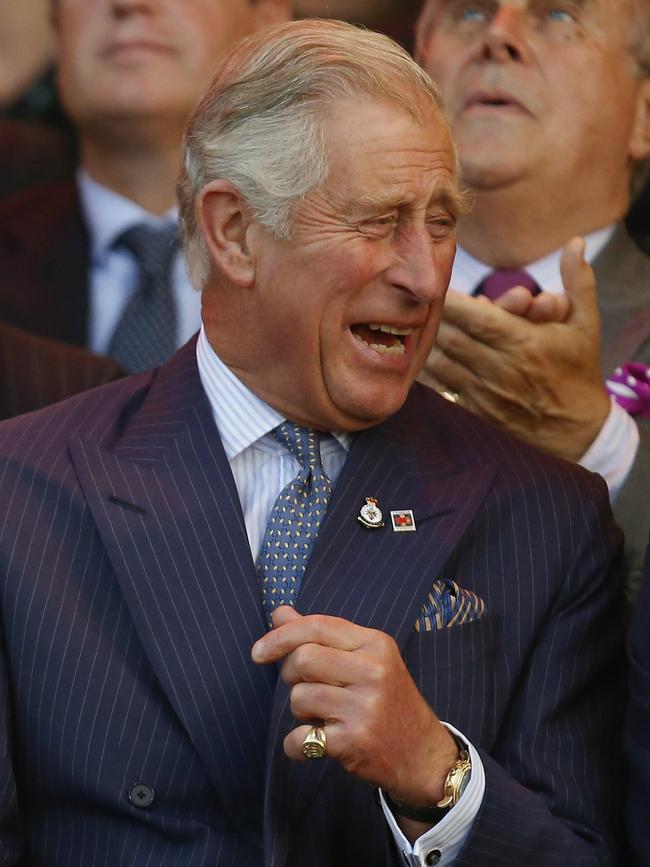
384,339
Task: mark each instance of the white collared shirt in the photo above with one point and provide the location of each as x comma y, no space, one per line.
613,451
113,276
262,467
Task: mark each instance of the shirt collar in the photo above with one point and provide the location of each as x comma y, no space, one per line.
107,214
241,416
468,272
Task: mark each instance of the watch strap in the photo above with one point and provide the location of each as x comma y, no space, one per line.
455,784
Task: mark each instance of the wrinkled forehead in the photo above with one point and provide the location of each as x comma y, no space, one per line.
385,154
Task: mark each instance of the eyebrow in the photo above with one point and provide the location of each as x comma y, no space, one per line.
447,197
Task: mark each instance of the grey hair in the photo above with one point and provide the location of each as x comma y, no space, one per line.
260,124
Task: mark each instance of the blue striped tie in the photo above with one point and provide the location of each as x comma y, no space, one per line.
295,519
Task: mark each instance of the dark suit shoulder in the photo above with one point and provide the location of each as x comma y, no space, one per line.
623,279
525,478
36,371
118,412
45,256
92,414
38,206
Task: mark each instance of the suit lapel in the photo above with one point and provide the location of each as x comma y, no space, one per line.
167,509
377,578
623,280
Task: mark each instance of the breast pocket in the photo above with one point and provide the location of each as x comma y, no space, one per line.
454,670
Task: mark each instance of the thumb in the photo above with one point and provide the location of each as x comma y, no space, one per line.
284,614
580,287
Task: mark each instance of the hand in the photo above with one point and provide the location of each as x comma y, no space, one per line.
377,724
544,307
530,365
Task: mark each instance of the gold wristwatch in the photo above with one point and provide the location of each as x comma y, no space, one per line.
455,784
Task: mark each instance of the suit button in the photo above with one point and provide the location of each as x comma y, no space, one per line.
141,795
432,857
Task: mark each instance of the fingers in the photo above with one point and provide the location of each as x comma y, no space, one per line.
580,287
487,323
448,373
547,307
313,663
517,300
312,629
318,701
294,740
284,614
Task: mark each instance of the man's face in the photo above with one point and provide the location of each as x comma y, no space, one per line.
146,59
342,316
535,89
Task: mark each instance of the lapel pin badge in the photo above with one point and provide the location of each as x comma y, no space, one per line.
370,514
403,521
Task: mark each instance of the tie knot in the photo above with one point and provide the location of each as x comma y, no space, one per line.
153,247
302,442
498,282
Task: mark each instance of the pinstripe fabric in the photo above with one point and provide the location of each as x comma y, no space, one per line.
130,603
36,371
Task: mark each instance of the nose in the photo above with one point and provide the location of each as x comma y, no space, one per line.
506,37
423,265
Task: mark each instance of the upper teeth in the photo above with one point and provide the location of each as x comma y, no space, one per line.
389,329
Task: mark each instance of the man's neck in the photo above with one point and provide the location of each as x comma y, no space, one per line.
145,173
506,229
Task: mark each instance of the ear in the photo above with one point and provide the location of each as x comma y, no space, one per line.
423,28
224,218
640,139
269,12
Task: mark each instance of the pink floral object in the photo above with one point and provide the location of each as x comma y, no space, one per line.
629,385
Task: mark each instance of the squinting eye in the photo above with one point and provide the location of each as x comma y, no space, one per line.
441,228
378,226
473,13
561,15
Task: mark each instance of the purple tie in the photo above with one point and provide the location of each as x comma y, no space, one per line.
498,282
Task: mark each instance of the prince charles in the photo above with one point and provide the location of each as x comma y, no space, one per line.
272,603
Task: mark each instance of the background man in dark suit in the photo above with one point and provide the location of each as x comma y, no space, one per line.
417,564
637,740
130,72
550,110
35,371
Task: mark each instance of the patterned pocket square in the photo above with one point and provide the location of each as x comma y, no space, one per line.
448,605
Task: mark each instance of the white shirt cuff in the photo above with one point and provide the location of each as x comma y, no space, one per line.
613,451
448,836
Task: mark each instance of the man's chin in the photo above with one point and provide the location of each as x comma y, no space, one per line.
367,412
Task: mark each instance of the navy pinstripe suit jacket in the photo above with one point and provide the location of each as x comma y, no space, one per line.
130,603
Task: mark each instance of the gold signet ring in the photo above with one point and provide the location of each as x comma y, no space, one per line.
315,743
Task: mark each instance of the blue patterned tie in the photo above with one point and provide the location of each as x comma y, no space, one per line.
145,336
294,520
